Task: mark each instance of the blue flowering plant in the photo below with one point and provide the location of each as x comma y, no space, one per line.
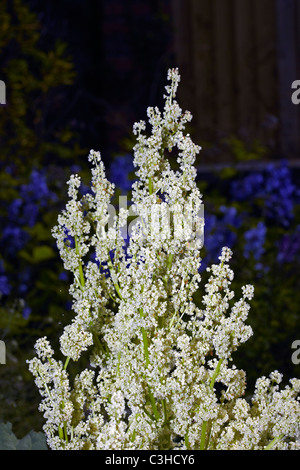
253,205
256,214
24,237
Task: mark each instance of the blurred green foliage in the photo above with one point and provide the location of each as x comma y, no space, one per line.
32,129
34,135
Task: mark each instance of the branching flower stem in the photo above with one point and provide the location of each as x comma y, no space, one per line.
274,442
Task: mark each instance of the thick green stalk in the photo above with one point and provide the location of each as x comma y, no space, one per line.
61,433
172,320
65,432
153,404
274,442
146,354
186,441
203,443
169,261
66,362
216,373
82,282
145,343
164,404
118,365
150,186
203,435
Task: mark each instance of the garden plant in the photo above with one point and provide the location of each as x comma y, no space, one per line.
142,365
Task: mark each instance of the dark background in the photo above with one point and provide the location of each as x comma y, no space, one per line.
237,59
121,52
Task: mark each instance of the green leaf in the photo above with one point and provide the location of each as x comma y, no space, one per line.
42,253
32,441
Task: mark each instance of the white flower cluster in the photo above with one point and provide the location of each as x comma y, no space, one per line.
157,368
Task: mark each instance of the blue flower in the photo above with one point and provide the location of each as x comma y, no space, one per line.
249,187
120,169
5,287
14,209
289,247
37,189
274,187
219,232
231,216
14,238
281,193
254,241
24,281
30,214
26,312
34,195
63,276
69,240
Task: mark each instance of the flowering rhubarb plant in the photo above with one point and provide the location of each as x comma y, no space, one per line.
155,370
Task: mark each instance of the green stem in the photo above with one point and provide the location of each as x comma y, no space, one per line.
186,441
149,415
112,272
67,362
118,290
168,267
150,185
172,320
153,404
65,432
61,433
118,365
145,339
164,404
203,443
203,435
80,265
274,442
145,343
133,436
169,261
216,373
